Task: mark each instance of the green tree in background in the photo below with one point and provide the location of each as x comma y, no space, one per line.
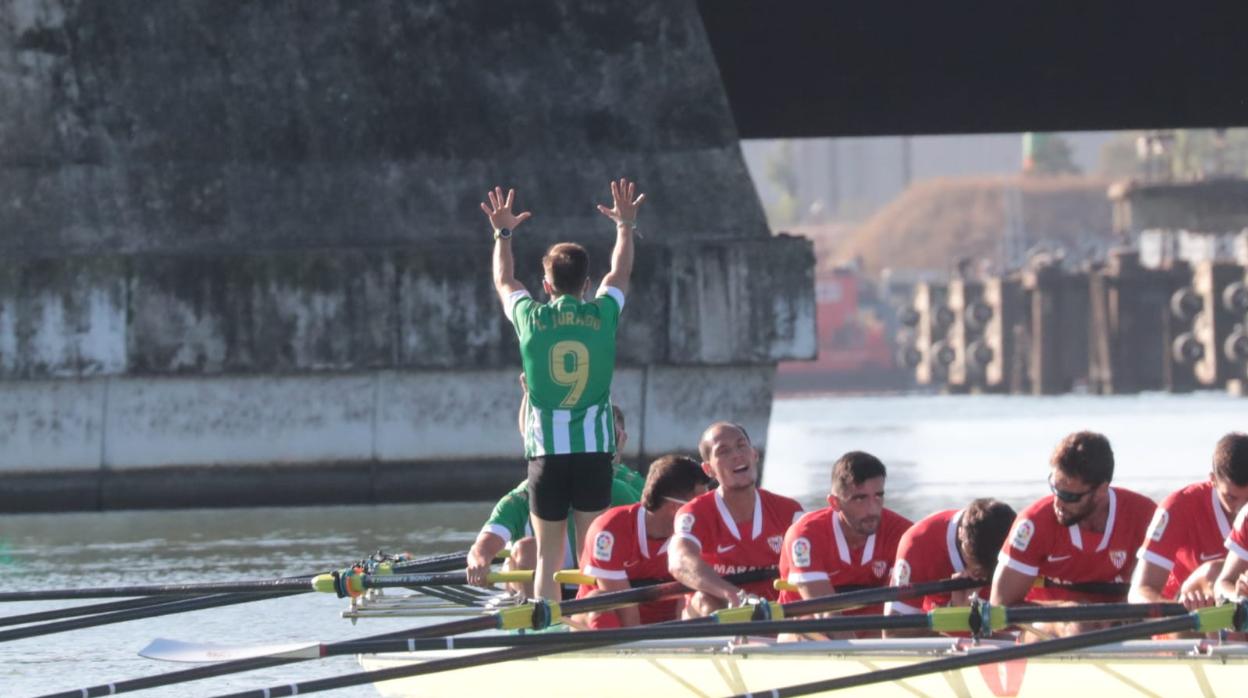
1182,154
1048,154
782,173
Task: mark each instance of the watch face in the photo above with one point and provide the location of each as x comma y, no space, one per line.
504,232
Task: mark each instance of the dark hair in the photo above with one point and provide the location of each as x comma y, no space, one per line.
1230,458
567,266
704,446
855,468
985,524
1085,455
671,476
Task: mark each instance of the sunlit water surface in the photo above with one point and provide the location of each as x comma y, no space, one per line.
940,451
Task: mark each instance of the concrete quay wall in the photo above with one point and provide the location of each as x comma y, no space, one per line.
356,437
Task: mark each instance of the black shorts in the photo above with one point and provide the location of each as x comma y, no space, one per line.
580,481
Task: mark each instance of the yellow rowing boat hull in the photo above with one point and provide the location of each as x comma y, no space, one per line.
1128,669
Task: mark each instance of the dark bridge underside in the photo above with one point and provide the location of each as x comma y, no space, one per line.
804,69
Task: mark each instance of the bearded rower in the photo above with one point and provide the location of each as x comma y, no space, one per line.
1184,550
1084,532
736,528
851,542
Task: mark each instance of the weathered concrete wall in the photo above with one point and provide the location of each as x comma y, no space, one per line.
336,437
242,255
136,126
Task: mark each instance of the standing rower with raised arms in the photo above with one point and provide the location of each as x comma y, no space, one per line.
567,347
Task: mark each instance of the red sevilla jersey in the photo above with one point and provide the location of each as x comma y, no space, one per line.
1237,542
928,552
815,549
738,546
1188,530
1039,546
617,547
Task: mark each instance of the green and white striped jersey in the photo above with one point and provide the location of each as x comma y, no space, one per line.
567,347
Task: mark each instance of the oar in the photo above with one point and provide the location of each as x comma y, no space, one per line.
265,586
146,611
354,585
957,619
84,610
941,620
154,606
1229,616
517,617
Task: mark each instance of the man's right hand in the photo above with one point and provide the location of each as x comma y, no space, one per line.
499,210
478,568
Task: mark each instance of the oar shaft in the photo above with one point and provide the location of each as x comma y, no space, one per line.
267,586
877,595
635,634
1098,611
86,610
146,611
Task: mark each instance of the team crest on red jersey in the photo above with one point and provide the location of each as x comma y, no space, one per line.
684,523
1118,557
879,567
775,542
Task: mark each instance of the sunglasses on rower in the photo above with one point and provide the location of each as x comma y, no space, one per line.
1066,495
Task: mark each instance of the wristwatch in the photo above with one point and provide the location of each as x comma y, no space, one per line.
502,234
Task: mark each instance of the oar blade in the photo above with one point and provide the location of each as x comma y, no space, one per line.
167,650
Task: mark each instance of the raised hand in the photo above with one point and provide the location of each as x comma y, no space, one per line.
499,210
623,206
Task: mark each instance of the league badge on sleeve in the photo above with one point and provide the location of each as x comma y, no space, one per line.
1157,528
901,573
1022,535
800,549
684,523
603,545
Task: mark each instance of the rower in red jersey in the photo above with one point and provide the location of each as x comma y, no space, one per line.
956,543
1232,583
1084,534
736,528
629,543
850,543
1185,547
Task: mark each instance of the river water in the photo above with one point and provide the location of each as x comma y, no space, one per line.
940,451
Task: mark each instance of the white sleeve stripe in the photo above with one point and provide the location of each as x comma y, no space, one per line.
1237,549
805,577
498,530
689,537
1156,559
509,308
1018,566
901,609
616,294
618,575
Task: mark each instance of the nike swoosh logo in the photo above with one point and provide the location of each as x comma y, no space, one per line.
724,548
630,563
1058,558
1215,556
